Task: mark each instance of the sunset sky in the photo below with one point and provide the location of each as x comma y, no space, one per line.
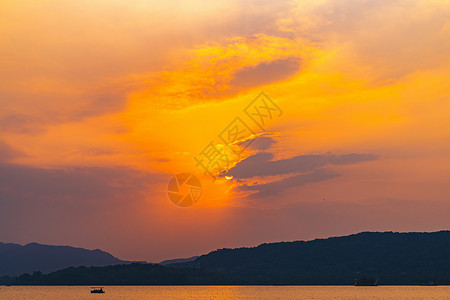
102,102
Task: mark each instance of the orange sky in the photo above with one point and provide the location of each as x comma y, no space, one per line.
102,102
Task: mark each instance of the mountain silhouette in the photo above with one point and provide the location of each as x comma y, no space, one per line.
16,259
393,258
178,260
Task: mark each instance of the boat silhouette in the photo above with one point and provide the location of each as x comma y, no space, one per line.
97,290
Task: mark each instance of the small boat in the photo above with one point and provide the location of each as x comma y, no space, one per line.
366,281
97,290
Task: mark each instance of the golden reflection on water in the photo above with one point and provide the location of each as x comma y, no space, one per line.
226,292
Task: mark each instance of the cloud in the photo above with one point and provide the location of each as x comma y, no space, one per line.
262,143
98,104
64,102
83,185
20,123
64,205
275,187
218,70
265,73
37,112
261,164
93,207
79,47
8,153
384,39
274,176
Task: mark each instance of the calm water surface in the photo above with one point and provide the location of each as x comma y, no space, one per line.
227,292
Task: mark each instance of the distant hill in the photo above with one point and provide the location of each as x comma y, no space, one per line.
395,258
16,259
178,260
127,274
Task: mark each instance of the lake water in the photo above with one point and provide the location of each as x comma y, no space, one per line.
226,292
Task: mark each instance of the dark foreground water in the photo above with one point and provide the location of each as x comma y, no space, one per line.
226,292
